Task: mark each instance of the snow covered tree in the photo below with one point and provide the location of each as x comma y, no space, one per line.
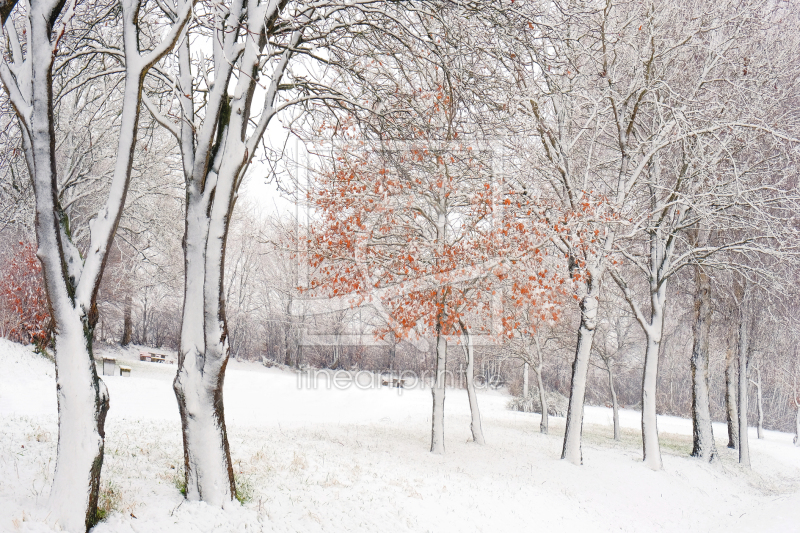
39,41
209,105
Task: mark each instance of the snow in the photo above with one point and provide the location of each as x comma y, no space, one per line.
358,460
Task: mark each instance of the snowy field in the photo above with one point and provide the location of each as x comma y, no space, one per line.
358,460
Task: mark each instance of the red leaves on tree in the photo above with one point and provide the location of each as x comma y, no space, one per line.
23,302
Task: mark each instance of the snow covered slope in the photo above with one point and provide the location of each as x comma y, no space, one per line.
357,460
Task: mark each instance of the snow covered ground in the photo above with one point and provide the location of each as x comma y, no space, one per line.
358,460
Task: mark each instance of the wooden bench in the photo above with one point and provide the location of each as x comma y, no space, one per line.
151,357
125,371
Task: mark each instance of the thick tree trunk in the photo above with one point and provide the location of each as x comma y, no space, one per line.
525,381
614,403
82,407
744,346
438,392
475,423
731,410
201,370
207,462
544,426
127,322
580,369
704,446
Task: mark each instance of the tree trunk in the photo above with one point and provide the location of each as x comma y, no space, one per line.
650,446
544,425
614,403
744,341
731,410
201,368
580,369
797,425
525,381
438,391
475,423
703,434
82,408
143,338
127,323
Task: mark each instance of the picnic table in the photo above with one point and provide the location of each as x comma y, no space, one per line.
152,357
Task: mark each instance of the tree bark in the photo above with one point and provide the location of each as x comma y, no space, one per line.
127,323
731,410
475,423
580,369
703,434
744,346
438,392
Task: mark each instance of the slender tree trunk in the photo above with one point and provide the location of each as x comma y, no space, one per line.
438,392
143,338
744,346
475,423
614,403
797,425
704,446
580,369
731,410
127,323
544,426
525,380
650,446
759,404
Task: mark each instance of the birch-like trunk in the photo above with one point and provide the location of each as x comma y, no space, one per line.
580,369
731,410
744,346
475,421
438,391
703,434
614,403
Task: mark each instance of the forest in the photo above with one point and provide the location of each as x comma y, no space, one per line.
572,203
